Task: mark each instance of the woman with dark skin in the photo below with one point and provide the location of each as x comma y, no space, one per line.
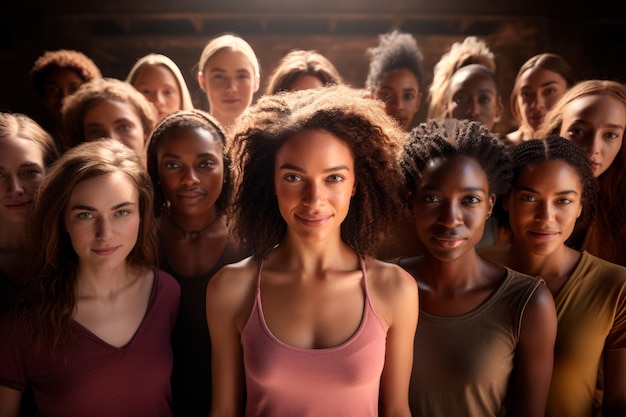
312,324
484,344
193,185
553,192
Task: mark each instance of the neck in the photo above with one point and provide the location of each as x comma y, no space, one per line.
193,227
103,283
553,266
450,275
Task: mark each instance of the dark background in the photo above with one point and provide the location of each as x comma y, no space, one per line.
114,33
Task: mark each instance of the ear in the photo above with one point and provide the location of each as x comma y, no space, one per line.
201,81
257,83
491,204
353,189
580,211
499,110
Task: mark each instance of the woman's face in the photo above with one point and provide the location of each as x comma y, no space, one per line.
160,87
305,82
116,120
596,124
544,203
314,180
472,95
191,170
59,84
451,205
229,81
102,219
539,90
22,169
399,90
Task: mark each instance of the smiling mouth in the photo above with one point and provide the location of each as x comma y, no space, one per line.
544,235
314,221
105,251
448,242
17,206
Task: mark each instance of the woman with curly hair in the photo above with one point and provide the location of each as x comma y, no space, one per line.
159,79
108,108
192,184
485,340
396,75
553,192
301,70
92,336
592,114
311,324
58,74
539,84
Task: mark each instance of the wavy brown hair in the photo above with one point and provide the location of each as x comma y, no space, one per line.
360,122
298,63
49,282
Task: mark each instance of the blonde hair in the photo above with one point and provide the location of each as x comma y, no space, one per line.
470,51
232,42
166,62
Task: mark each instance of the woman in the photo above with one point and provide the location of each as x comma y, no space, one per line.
312,325
592,114
484,343
229,75
193,185
108,108
539,84
301,70
159,79
553,191
93,334
26,151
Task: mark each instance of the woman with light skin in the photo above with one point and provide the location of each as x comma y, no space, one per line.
539,84
301,70
311,324
92,336
592,114
159,79
553,192
484,343
229,74
193,185
108,108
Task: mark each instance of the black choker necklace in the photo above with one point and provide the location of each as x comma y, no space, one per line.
193,234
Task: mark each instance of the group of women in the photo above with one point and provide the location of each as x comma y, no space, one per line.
313,253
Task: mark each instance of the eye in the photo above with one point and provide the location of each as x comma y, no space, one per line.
292,178
527,197
459,100
207,164
172,165
30,172
122,213
430,198
409,96
84,215
549,91
612,135
564,201
95,134
471,199
335,178
125,127
484,99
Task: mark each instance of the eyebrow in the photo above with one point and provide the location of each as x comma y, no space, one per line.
238,70
200,155
464,189
26,165
115,207
532,190
298,169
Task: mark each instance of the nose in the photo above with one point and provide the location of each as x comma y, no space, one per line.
232,84
14,186
595,145
544,211
313,195
104,229
190,177
449,215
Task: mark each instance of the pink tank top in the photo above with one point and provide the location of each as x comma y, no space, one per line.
344,380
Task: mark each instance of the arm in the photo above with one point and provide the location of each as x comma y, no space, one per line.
534,358
398,299
10,400
225,300
614,402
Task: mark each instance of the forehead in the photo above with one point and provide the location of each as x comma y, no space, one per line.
472,78
399,78
536,77
110,108
229,59
154,71
16,151
602,106
553,173
456,170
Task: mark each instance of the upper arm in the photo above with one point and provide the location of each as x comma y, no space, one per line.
534,358
614,401
10,400
401,306
225,300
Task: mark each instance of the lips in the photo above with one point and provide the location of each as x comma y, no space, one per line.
17,205
543,234
105,251
448,242
313,221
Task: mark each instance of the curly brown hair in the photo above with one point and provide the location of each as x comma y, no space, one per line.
179,120
360,122
63,58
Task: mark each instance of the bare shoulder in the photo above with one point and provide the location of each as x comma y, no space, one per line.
393,290
232,285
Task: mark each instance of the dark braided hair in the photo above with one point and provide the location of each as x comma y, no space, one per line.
434,138
181,120
555,148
